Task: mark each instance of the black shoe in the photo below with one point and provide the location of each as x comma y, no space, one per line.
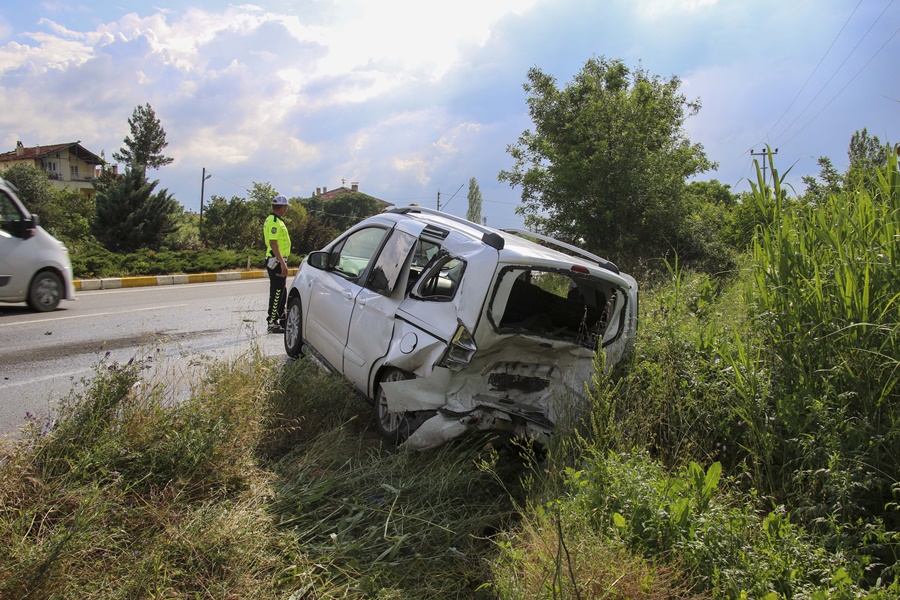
275,328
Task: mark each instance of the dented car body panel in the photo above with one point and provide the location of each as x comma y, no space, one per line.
450,327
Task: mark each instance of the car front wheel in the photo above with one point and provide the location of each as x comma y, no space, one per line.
45,292
293,340
391,425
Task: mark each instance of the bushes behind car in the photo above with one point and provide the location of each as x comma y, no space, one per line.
97,262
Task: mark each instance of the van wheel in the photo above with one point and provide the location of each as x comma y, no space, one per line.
293,338
45,292
392,426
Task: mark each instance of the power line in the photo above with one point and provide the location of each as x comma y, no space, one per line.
845,86
833,42
451,197
865,35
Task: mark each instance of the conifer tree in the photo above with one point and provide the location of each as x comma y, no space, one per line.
130,216
474,196
143,148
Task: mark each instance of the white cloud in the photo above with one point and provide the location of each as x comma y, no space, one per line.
661,9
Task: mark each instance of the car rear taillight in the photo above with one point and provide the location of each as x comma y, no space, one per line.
460,351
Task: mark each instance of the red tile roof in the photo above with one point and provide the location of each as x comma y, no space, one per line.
36,152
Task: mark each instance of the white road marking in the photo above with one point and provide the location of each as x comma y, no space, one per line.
103,314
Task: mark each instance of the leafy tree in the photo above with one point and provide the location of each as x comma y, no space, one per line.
186,235
130,216
343,211
832,182
704,236
261,194
474,196
608,158
866,154
143,148
35,190
64,213
234,224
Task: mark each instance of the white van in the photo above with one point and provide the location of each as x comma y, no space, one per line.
448,326
34,266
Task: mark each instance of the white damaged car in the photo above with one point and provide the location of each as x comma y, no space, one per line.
448,326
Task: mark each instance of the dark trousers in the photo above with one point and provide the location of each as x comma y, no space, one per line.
277,293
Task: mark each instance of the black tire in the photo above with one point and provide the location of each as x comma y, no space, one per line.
45,291
293,334
394,427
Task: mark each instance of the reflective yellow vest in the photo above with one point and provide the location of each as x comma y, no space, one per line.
275,229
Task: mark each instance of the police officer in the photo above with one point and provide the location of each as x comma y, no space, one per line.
278,249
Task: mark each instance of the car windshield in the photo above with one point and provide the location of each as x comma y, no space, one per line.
552,304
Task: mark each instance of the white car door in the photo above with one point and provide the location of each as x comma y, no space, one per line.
334,290
13,256
372,321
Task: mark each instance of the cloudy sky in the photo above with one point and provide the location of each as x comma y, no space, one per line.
412,98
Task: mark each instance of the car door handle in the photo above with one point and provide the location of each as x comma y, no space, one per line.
348,294
361,301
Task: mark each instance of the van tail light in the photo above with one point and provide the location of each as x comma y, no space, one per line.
460,351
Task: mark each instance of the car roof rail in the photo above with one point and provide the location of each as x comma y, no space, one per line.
488,236
608,265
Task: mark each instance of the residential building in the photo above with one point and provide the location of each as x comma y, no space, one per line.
325,194
68,165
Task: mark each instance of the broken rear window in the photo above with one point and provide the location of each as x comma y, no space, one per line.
553,304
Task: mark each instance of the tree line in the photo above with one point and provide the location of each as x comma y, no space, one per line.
128,214
608,166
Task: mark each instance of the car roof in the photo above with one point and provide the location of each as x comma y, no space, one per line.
512,247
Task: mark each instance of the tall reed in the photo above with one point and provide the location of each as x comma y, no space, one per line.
826,284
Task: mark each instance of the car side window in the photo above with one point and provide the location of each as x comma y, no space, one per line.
389,265
351,258
10,217
441,282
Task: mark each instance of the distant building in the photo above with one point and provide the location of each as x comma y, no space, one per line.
325,194
68,165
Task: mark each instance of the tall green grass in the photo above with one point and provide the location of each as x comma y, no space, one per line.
784,373
826,287
268,481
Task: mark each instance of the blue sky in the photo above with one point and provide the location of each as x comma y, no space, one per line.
414,97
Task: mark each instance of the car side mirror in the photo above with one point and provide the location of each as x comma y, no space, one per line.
318,259
30,226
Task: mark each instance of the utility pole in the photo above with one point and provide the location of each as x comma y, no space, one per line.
202,185
766,151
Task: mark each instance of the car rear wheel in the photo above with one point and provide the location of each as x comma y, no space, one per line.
393,426
45,292
293,340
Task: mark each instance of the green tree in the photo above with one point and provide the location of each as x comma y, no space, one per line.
474,196
607,161
234,224
343,211
35,190
705,236
64,213
143,148
831,182
866,154
129,215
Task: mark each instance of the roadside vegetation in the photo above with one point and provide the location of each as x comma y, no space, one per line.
748,450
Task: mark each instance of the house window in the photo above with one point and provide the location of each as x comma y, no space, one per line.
51,166
73,171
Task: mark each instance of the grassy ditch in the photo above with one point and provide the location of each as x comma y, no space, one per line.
266,483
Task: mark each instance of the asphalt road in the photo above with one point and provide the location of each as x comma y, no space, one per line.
46,356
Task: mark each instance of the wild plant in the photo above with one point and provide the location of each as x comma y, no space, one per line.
826,284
